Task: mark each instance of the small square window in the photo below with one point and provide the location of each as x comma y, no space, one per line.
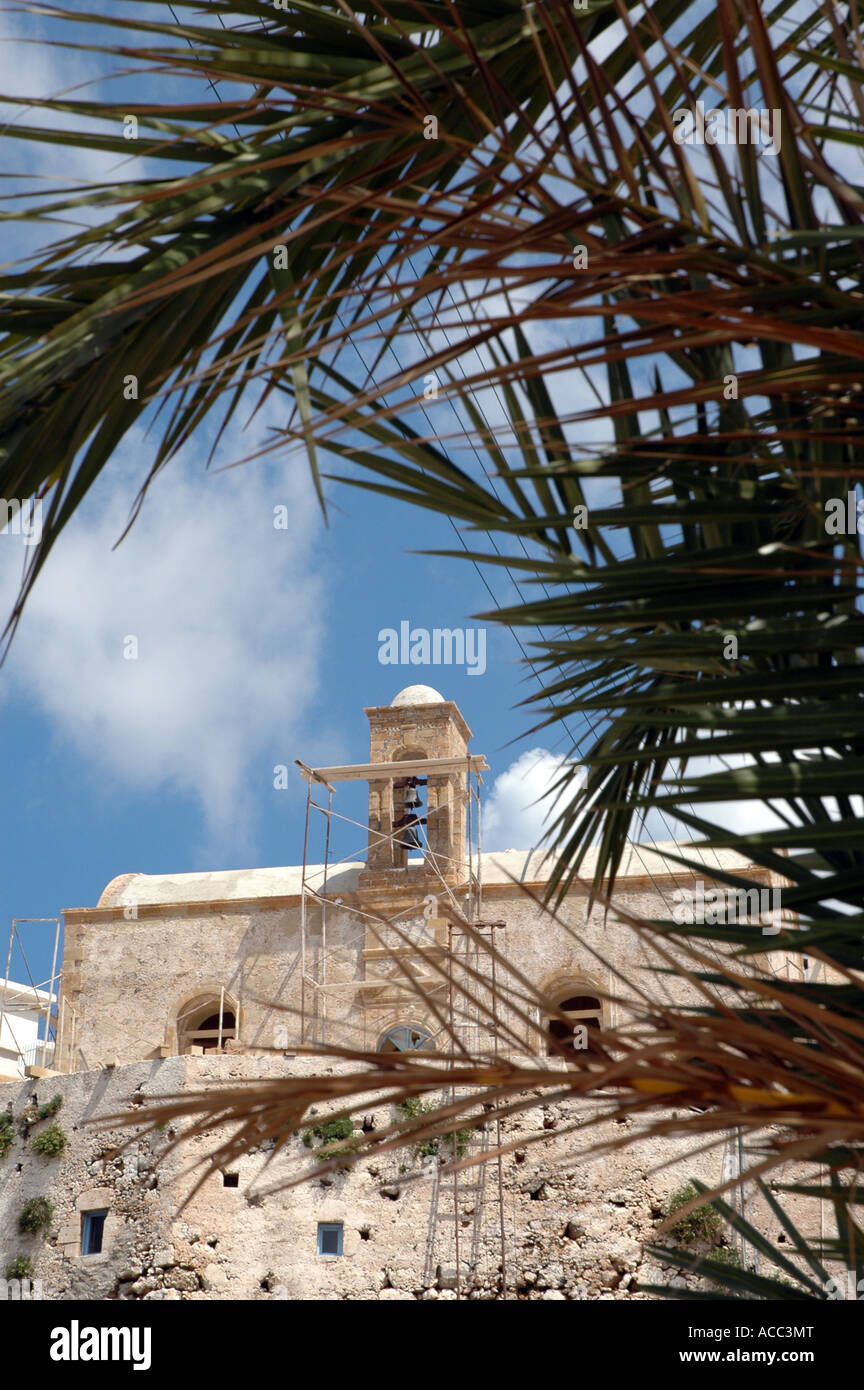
92,1228
329,1237
230,1179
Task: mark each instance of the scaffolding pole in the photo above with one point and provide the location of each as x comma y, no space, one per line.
303,916
453,1101
500,1160
314,973
6,980
51,996
323,1004
42,1010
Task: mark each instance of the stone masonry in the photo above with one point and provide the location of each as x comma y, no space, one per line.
176,983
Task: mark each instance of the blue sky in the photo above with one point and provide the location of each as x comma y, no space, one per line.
255,645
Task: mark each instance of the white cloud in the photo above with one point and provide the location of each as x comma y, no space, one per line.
226,610
735,817
517,811
227,613
31,67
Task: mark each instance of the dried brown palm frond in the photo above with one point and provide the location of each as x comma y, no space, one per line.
707,516
751,1052
705,508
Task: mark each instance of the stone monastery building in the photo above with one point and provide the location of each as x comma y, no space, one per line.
178,983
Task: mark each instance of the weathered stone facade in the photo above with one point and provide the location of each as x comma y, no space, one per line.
574,1225
149,969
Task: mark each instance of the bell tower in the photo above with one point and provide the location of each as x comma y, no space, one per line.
421,881
417,822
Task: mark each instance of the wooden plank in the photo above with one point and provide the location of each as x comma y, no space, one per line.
434,948
385,981
374,772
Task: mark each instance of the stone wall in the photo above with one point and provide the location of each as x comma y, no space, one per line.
128,977
575,1224
133,975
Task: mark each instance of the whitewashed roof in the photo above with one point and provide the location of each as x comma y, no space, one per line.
645,860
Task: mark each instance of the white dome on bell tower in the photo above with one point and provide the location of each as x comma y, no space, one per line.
417,695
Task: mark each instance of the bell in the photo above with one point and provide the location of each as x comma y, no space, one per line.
410,838
412,799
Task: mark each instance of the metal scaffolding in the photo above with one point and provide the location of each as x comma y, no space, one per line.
460,903
32,997
470,889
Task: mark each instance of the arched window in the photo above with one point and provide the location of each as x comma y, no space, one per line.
404,1037
583,1017
205,1024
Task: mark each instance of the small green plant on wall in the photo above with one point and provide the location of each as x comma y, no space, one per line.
413,1108
7,1132
702,1226
29,1115
49,1108
20,1268
51,1142
330,1132
36,1215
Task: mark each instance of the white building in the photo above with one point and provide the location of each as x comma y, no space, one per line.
21,1008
